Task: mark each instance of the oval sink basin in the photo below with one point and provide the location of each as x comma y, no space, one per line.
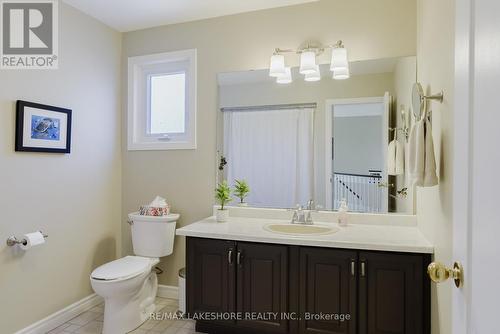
296,229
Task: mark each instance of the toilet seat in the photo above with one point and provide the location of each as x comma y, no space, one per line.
125,268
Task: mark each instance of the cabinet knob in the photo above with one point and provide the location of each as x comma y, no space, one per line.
230,257
439,273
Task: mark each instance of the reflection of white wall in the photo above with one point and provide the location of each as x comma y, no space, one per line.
404,77
358,144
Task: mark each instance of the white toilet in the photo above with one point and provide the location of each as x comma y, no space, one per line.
129,285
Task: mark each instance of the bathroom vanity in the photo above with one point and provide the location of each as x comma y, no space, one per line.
374,274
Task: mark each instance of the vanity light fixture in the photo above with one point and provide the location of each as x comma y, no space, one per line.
286,78
308,66
339,57
341,73
313,76
307,62
277,67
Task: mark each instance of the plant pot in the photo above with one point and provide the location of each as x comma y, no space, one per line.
242,204
222,215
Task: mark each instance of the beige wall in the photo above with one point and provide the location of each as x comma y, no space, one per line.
435,54
300,91
370,29
75,198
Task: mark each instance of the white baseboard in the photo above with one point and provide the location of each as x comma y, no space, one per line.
168,291
60,317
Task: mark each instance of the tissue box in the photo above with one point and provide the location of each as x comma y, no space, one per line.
147,210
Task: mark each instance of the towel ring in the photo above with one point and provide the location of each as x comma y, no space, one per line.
419,100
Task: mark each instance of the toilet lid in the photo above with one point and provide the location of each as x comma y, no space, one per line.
128,266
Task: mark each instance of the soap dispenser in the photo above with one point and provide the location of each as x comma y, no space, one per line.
342,212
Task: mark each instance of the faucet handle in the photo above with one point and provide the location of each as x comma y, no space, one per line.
295,215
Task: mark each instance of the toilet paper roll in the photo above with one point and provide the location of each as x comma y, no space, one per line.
32,239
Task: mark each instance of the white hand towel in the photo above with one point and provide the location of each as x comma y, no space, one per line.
391,158
400,159
421,155
430,176
417,153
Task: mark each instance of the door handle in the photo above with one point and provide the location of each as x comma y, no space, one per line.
230,257
238,258
363,268
439,273
353,268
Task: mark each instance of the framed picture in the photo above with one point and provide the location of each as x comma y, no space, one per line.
42,128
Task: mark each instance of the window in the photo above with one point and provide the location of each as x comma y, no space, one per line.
167,103
162,101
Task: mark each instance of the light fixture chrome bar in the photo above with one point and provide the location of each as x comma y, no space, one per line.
279,51
317,48
271,107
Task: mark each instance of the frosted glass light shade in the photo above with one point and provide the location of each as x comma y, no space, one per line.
277,67
314,76
339,59
286,78
307,62
341,74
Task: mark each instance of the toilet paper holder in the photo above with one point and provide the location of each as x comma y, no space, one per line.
12,240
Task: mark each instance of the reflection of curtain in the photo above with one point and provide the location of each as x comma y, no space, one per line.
273,151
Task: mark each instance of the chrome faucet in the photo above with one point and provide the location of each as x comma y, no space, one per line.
303,216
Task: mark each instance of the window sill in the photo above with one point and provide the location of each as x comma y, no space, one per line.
161,146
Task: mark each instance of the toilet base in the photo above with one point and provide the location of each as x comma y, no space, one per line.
123,314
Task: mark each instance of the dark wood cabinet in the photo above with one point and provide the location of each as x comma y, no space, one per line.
210,283
306,290
327,287
262,285
393,293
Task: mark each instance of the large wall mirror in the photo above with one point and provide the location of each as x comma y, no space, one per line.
326,140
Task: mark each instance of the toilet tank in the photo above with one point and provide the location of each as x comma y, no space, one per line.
153,236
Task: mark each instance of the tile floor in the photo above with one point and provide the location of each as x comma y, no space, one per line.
90,322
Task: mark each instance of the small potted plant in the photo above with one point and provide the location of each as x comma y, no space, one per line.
223,196
241,190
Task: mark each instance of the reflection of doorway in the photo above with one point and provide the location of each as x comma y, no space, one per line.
356,151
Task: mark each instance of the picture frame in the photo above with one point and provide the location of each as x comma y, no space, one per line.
42,128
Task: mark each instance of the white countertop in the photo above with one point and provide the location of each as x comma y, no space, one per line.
355,236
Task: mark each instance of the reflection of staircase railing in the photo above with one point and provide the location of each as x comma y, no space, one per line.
362,192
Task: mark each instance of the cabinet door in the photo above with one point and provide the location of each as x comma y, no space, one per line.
392,294
327,287
262,285
210,279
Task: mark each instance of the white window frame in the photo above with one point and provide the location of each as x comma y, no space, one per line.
140,71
